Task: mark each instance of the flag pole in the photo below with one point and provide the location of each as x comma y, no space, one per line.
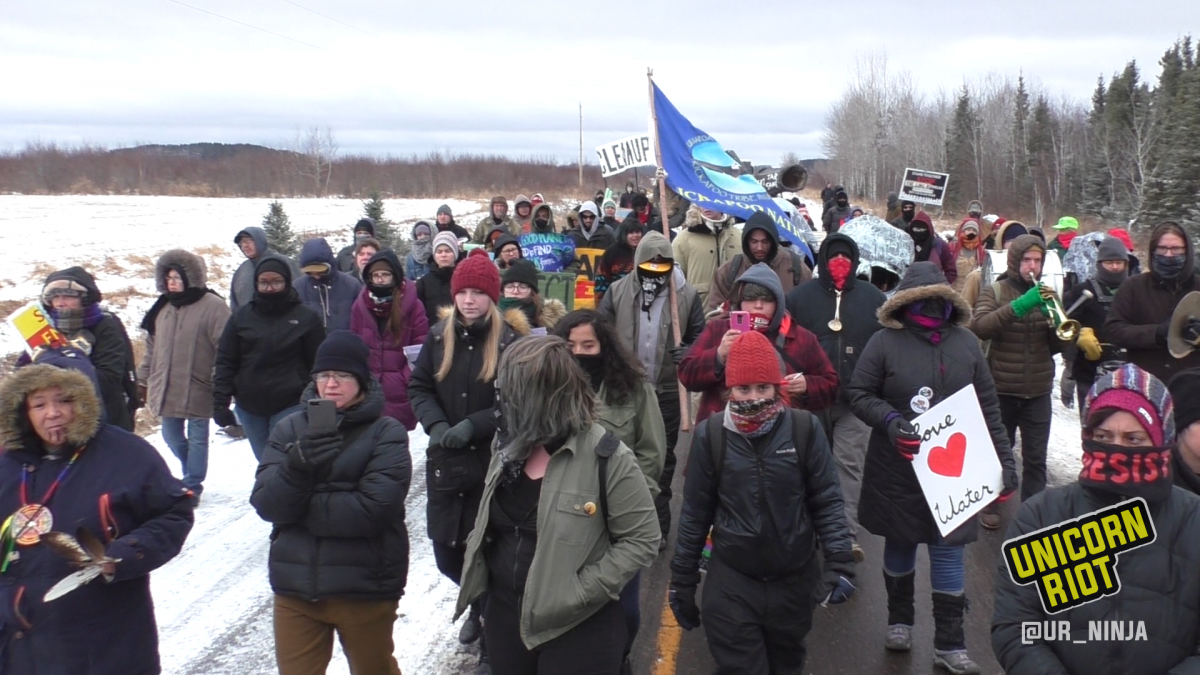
685,417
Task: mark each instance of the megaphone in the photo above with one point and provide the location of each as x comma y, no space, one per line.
1188,308
793,178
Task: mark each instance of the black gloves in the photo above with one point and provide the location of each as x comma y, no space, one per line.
682,597
436,433
1011,483
1066,388
1160,333
223,416
1191,331
313,450
837,580
677,353
458,435
904,438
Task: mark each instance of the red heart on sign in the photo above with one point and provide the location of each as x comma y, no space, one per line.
948,461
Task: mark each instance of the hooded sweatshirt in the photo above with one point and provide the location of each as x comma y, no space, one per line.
788,265
835,216
523,224
600,236
933,248
241,289
1144,305
419,259
332,295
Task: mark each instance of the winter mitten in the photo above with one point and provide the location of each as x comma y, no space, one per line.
1066,388
1024,304
1191,331
904,438
436,433
1089,344
313,450
1160,333
458,435
837,581
682,598
223,416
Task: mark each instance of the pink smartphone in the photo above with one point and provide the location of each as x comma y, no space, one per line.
740,321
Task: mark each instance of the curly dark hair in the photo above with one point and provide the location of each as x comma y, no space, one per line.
623,373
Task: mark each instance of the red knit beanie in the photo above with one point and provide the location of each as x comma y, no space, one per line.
752,360
477,272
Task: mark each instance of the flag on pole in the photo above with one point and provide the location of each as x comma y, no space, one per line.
700,170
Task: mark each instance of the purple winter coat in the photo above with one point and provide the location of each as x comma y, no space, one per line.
388,363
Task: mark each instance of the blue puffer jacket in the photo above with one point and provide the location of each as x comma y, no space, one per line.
331,296
120,491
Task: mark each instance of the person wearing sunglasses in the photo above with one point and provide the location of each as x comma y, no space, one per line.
590,232
264,355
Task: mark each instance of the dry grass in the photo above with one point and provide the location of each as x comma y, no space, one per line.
213,250
7,307
41,270
121,296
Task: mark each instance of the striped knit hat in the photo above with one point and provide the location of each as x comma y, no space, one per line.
1135,391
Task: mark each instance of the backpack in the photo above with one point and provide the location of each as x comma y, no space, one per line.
797,268
801,428
605,449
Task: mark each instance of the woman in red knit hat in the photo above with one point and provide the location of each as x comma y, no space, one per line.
762,477
452,392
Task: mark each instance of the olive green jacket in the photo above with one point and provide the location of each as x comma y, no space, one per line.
576,569
639,425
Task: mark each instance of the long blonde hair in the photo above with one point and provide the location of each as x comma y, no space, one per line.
491,347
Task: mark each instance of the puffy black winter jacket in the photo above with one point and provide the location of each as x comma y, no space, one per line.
339,531
766,504
266,361
1160,585
812,305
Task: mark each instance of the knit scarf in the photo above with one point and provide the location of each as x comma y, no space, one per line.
756,417
380,307
70,321
181,299
421,250
526,306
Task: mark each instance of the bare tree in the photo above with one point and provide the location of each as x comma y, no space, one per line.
316,149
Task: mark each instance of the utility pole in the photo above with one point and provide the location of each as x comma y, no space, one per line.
581,144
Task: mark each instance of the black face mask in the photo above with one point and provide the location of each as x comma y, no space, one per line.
274,303
1127,471
1111,279
920,234
541,223
593,365
907,215
1167,267
381,292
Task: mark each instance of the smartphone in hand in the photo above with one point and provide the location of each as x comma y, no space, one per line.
740,321
322,414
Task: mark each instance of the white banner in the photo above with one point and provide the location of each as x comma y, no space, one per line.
625,154
958,468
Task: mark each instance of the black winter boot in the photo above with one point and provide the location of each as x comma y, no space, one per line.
471,628
900,610
485,664
949,640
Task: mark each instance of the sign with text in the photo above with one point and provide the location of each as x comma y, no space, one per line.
548,251
625,154
924,187
35,330
958,468
585,285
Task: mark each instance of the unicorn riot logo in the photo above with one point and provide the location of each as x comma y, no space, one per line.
721,171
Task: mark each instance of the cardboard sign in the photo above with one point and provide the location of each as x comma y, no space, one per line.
958,468
585,286
924,187
549,252
36,332
625,154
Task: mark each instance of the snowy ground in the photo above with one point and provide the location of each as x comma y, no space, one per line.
213,600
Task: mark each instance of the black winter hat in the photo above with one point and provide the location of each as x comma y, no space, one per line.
344,351
365,225
640,201
1185,390
521,271
273,264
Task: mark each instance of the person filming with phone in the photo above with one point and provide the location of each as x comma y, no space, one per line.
332,481
811,382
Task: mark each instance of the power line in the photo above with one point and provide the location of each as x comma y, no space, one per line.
326,16
243,23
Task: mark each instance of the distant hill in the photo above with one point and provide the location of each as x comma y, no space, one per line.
203,151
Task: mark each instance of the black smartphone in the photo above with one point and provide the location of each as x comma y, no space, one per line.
322,414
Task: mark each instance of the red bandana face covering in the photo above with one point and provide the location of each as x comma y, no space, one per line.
839,271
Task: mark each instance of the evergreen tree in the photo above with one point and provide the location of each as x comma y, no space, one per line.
280,236
1043,169
385,230
1097,182
1022,186
961,144
1173,193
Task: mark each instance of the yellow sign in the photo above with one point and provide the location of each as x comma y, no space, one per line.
585,285
1075,562
35,331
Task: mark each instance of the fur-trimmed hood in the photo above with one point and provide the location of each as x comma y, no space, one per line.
15,430
694,221
515,319
553,310
192,265
922,280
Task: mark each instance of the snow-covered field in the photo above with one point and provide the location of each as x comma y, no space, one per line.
213,600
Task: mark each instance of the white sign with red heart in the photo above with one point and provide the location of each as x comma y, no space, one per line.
957,467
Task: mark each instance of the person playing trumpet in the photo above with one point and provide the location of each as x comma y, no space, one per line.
1094,297
1011,317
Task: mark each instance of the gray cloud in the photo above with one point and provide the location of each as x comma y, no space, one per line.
473,76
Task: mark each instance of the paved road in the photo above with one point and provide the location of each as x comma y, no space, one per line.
845,639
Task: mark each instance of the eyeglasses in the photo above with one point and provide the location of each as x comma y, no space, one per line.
516,287
1170,250
277,285
587,216
332,375
382,277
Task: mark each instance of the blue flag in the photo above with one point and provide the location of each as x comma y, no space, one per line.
700,170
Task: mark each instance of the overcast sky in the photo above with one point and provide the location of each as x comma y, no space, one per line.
477,76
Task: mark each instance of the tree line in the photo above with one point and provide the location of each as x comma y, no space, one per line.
1132,154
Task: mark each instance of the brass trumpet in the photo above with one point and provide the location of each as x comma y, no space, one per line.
1065,329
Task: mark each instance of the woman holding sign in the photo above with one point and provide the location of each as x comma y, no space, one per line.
925,355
